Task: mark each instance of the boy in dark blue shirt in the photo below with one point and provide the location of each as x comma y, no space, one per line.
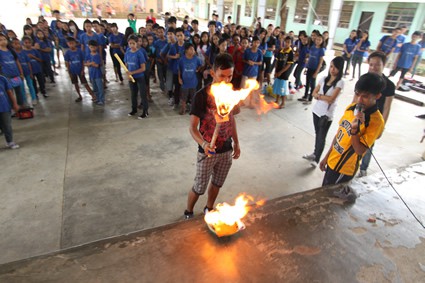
74,61
136,65
407,57
94,62
175,53
26,69
189,65
159,44
253,59
115,41
35,60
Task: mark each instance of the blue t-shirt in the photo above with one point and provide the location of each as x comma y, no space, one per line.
8,64
173,64
75,60
407,55
103,42
62,39
350,44
25,61
94,72
270,42
116,39
388,43
364,46
84,40
400,39
45,56
134,60
35,65
314,57
187,68
303,50
159,45
248,70
422,44
4,98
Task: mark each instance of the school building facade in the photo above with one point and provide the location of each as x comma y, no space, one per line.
379,17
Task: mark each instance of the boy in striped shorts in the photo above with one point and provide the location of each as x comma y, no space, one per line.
212,162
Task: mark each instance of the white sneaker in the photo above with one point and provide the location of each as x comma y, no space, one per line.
362,173
313,164
12,145
309,157
171,101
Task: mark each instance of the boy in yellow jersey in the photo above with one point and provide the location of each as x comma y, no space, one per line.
359,127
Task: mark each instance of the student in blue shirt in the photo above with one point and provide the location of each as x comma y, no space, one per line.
74,61
348,49
87,37
136,65
11,68
158,44
24,60
407,57
401,38
35,60
361,49
301,49
253,59
45,47
115,47
314,64
174,54
422,44
171,40
388,43
94,63
6,99
189,65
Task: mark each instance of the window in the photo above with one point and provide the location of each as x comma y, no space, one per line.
228,8
301,11
346,11
271,9
399,14
321,15
248,8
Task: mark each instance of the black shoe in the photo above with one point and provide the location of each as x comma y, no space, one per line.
45,95
132,113
187,215
302,99
143,116
207,209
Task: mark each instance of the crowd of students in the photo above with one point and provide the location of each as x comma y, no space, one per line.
180,59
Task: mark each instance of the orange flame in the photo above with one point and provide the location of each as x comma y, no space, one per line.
226,219
226,98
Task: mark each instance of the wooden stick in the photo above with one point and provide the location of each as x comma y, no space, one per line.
124,66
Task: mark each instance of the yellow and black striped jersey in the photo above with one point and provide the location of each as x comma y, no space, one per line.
343,159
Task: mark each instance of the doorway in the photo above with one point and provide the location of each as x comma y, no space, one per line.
366,20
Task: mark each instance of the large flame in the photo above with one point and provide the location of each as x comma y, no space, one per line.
225,219
226,98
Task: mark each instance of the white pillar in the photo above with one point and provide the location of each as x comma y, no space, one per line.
261,11
220,10
334,15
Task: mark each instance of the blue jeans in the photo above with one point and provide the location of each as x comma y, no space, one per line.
310,84
30,85
366,159
98,89
139,87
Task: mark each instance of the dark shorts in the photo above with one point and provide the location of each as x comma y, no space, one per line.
267,65
74,79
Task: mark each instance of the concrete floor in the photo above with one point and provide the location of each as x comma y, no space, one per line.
307,237
85,172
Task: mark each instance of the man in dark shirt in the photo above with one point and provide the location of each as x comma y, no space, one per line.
212,161
377,62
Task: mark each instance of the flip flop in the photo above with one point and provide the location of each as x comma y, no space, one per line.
79,99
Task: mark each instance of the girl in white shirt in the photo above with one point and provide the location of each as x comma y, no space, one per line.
326,93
